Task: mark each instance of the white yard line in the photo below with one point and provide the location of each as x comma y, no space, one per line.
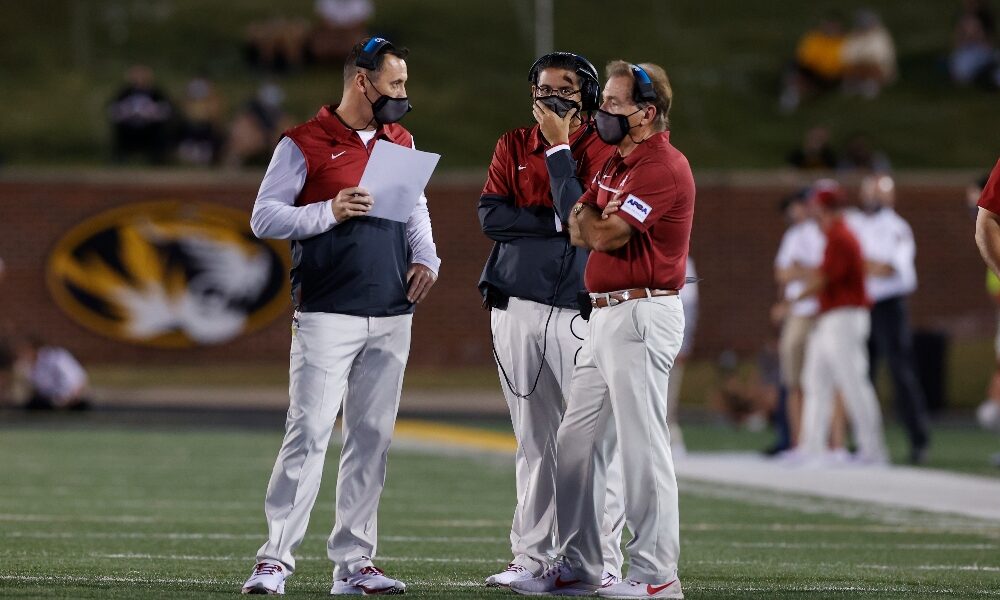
929,490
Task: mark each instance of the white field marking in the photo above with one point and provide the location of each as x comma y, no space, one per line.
86,518
915,590
230,557
839,546
231,536
843,508
110,579
831,528
461,523
845,565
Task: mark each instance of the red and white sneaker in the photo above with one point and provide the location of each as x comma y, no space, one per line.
558,580
513,572
369,581
627,588
266,578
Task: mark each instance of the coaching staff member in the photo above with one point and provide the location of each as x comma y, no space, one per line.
530,283
988,221
355,281
636,220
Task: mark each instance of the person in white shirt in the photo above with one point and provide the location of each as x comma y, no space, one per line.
890,251
57,379
799,255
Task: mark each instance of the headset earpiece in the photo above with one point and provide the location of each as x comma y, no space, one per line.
368,57
643,91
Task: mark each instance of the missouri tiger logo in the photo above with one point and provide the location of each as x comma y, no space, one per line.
169,274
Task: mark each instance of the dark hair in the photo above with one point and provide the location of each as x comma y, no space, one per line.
350,66
554,60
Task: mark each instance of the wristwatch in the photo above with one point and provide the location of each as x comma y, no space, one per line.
578,208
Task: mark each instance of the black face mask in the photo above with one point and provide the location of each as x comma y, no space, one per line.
386,109
559,105
612,128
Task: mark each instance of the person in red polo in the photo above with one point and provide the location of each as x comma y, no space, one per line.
636,220
988,240
530,283
837,354
355,283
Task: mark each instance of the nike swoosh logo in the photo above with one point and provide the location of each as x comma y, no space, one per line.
333,156
520,168
656,589
561,584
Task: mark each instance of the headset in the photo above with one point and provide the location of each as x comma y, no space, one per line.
368,57
643,91
590,86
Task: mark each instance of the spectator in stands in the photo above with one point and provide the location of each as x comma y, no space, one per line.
140,116
689,302
974,57
744,399
200,136
816,153
256,128
869,56
818,64
277,44
859,155
57,379
340,22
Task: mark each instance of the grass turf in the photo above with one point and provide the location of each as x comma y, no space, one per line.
108,512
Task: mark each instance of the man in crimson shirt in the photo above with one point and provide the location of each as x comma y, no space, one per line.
837,354
988,240
530,283
636,219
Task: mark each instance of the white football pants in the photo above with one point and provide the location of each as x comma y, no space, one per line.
519,335
620,385
837,360
336,359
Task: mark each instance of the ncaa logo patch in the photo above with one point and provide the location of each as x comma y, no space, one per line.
169,274
636,207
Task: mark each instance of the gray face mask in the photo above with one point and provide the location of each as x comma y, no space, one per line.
612,128
559,105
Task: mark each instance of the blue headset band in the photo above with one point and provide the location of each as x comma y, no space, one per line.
644,90
368,57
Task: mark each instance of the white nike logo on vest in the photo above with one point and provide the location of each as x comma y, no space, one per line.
333,156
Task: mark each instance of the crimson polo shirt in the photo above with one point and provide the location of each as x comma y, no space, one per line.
657,193
335,155
518,167
843,269
990,199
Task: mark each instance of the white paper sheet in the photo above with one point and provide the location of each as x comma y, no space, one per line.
396,176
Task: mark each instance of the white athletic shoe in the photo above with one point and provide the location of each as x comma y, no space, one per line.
513,572
609,579
627,588
266,578
558,580
369,581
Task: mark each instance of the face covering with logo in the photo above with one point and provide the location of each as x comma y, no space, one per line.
612,128
559,105
386,109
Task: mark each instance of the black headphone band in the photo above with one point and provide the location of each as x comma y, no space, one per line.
368,57
643,91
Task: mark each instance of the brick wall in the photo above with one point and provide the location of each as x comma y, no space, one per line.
736,233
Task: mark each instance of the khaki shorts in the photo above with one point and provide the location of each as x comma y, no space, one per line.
792,349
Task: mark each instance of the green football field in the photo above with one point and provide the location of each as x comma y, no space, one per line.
110,511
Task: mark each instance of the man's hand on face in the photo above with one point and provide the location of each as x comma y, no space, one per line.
554,128
420,279
351,202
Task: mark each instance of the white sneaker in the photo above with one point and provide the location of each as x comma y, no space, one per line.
513,572
628,588
266,578
558,580
608,579
369,581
